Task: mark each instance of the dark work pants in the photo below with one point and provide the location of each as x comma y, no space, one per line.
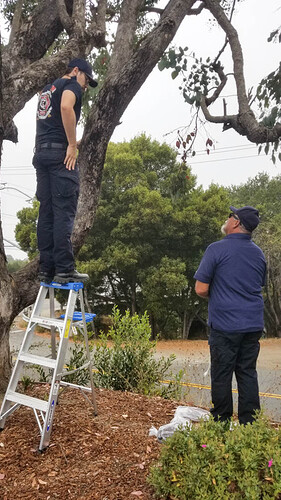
57,191
234,353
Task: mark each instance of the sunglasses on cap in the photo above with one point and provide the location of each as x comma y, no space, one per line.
233,215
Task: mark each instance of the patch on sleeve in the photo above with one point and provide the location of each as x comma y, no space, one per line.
44,108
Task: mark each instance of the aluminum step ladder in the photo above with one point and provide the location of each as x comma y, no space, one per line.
44,410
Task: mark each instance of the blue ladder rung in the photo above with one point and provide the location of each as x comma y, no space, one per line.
77,316
77,285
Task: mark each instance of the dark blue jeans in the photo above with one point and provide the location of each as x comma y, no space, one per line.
57,191
234,353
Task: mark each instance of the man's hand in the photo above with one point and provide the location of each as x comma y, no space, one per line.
70,157
202,289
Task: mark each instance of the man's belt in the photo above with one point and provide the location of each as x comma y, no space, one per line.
50,145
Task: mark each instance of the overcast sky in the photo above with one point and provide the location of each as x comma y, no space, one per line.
159,110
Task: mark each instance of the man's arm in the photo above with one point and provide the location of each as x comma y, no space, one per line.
202,289
69,123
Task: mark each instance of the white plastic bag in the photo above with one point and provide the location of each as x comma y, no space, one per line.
183,417
192,413
168,430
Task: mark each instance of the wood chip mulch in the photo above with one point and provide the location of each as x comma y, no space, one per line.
104,458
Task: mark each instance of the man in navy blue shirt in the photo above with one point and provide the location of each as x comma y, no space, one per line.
58,112
231,275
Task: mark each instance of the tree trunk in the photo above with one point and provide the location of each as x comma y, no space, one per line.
134,299
187,322
7,316
5,357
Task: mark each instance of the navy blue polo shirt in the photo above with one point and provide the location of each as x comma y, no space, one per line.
49,122
235,269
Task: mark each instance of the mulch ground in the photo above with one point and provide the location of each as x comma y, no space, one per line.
105,457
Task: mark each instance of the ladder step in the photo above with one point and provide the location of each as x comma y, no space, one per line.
48,321
23,399
37,360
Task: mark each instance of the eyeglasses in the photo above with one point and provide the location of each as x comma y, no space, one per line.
87,79
233,215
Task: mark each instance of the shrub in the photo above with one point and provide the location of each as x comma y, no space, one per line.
211,463
124,357
77,359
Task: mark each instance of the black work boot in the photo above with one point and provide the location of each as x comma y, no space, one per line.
70,277
46,276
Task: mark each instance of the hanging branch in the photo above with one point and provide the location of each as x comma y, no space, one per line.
244,122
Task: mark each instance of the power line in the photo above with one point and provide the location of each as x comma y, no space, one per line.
11,194
227,159
17,186
17,173
232,148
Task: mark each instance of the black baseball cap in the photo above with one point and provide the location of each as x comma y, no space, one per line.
248,216
84,66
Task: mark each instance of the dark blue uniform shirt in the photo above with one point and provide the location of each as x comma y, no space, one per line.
235,269
49,123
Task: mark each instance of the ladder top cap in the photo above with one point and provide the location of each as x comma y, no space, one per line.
65,286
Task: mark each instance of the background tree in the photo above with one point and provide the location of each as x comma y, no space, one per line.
151,228
44,36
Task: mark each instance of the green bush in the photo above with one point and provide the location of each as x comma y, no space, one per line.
124,357
211,463
77,359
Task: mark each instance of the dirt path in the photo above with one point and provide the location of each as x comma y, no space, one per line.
198,351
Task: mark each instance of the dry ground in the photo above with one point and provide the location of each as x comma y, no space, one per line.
104,458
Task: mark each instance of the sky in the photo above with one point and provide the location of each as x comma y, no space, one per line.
159,111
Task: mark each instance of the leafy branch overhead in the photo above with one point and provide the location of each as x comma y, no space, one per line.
204,80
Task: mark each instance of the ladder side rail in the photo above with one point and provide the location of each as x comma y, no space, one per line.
52,315
17,369
53,396
88,351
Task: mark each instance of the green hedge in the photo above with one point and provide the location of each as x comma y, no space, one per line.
211,463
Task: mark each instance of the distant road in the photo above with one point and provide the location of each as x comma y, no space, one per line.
192,356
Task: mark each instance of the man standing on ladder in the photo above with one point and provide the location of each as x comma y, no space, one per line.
55,156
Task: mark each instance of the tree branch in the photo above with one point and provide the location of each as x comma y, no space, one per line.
245,122
236,50
155,10
195,12
123,46
64,17
16,20
39,32
97,29
223,78
78,16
